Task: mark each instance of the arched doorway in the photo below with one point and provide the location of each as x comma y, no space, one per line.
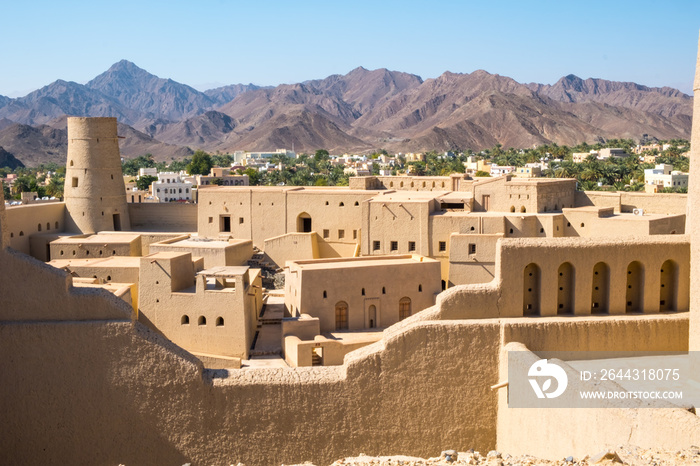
565,292
668,286
341,315
404,307
372,316
635,287
600,289
304,223
531,290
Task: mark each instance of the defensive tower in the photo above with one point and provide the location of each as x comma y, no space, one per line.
693,221
94,188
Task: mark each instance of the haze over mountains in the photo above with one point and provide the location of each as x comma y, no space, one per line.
357,112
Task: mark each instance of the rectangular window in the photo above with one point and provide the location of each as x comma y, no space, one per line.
326,234
472,249
394,245
225,223
211,219
376,246
442,246
411,246
341,234
354,234
240,220
75,181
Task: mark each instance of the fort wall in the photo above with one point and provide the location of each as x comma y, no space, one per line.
24,221
694,215
538,432
175,217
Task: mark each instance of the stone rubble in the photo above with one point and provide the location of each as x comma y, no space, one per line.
622,455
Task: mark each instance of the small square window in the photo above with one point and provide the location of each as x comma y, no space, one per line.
376,246
341,234
211,219
240,220
472,249
394,245
442,246
411,246
326,234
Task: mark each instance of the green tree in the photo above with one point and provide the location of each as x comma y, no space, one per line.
201,163
144,182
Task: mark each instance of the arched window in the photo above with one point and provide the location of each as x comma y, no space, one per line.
219,321
420,288
635,287
512,208
363,291
185,320
668,286
404,307
202,320
325,295
21,233
341,315
341,205
383,290
357,203
565,282
56,225
38,227
523,209
372,311
531,290
600,289
48,226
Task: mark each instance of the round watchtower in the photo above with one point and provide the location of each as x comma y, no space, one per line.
94,190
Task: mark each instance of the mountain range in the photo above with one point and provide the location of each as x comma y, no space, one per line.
360,111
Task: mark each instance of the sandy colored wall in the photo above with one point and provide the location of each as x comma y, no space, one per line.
694,216
73,248
221,417
298,353
163,216
467,268
505,296
622,201
383,284
264,213
167,295
23,221
538,432
401,221
292,246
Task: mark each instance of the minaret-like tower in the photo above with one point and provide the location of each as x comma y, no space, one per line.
693,220
94,191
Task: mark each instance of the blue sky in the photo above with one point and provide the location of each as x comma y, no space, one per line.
215,42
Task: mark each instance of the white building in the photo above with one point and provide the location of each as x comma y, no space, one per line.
148,172
171,187
664,176
498,170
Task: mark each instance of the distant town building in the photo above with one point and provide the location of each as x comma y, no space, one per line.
498,170
579,157
663,176
606,153
171,187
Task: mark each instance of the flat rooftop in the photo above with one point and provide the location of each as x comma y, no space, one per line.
108,262
357,262
225,271
99,238
198,243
